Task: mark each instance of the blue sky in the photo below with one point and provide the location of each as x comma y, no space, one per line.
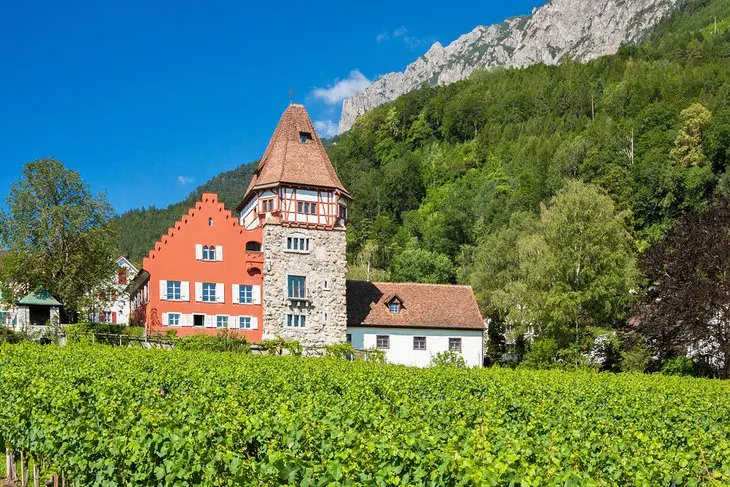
149,99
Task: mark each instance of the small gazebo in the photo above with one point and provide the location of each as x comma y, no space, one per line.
37,309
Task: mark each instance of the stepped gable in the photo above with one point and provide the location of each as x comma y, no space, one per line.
422,305
205,199
290,161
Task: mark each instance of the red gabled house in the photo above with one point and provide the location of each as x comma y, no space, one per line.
203,276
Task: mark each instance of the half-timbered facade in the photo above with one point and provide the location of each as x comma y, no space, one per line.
300,205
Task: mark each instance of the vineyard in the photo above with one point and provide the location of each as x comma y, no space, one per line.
114,416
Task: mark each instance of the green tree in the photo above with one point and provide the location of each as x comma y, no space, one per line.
418,265
59,235
577,269
688,148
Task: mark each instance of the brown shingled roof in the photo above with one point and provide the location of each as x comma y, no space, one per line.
424,305
288,160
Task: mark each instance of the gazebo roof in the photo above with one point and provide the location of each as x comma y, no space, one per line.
39,297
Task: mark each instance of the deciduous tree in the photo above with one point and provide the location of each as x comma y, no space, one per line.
58,234
686,309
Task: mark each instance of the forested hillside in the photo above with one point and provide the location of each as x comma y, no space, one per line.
141,228
440,171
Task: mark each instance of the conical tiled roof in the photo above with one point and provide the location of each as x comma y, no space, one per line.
288,160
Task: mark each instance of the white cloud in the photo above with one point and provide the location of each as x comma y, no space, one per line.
184,180
342,88
326,128
411,42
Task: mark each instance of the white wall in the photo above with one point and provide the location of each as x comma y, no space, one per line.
401,343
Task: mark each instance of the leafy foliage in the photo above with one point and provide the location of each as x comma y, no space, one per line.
112,416
59,235
686,308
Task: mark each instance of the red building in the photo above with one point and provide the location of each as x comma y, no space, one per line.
203,276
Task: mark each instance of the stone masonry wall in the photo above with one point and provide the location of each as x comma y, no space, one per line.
325,268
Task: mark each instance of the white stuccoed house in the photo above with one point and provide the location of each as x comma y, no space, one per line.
411,323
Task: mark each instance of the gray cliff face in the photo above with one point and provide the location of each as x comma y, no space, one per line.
561,29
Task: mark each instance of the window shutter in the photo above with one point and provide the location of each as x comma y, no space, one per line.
236,295
198,291
256,294
164,319
199,251
163,290
254,323
220,293
185,291
219,252
209,321
114,316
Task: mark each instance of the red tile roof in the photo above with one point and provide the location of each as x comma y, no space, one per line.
424,305
289,161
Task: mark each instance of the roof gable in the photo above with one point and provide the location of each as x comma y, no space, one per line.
422,305
208,206
295,155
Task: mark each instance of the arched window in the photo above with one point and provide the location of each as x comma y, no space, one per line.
211,252
205,253
210,221
253,246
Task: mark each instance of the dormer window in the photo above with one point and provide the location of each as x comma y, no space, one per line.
304,137
394,303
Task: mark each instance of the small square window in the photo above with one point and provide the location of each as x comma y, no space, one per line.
295,321
173,319
305,137
419,343
221,322
244,322
394,307
208,292
173,290
455,344
245,294
382,341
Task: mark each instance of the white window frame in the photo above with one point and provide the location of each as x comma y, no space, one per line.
171,287
218,320
241,322
169,319
294,320
207,286
298,243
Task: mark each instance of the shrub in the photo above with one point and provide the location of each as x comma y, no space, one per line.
341,351
636,358
448,359
678,366
224,341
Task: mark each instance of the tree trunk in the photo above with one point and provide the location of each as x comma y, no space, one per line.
11,466
36,474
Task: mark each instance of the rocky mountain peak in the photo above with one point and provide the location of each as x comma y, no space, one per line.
559,30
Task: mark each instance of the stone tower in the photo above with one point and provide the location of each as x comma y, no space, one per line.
301,205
